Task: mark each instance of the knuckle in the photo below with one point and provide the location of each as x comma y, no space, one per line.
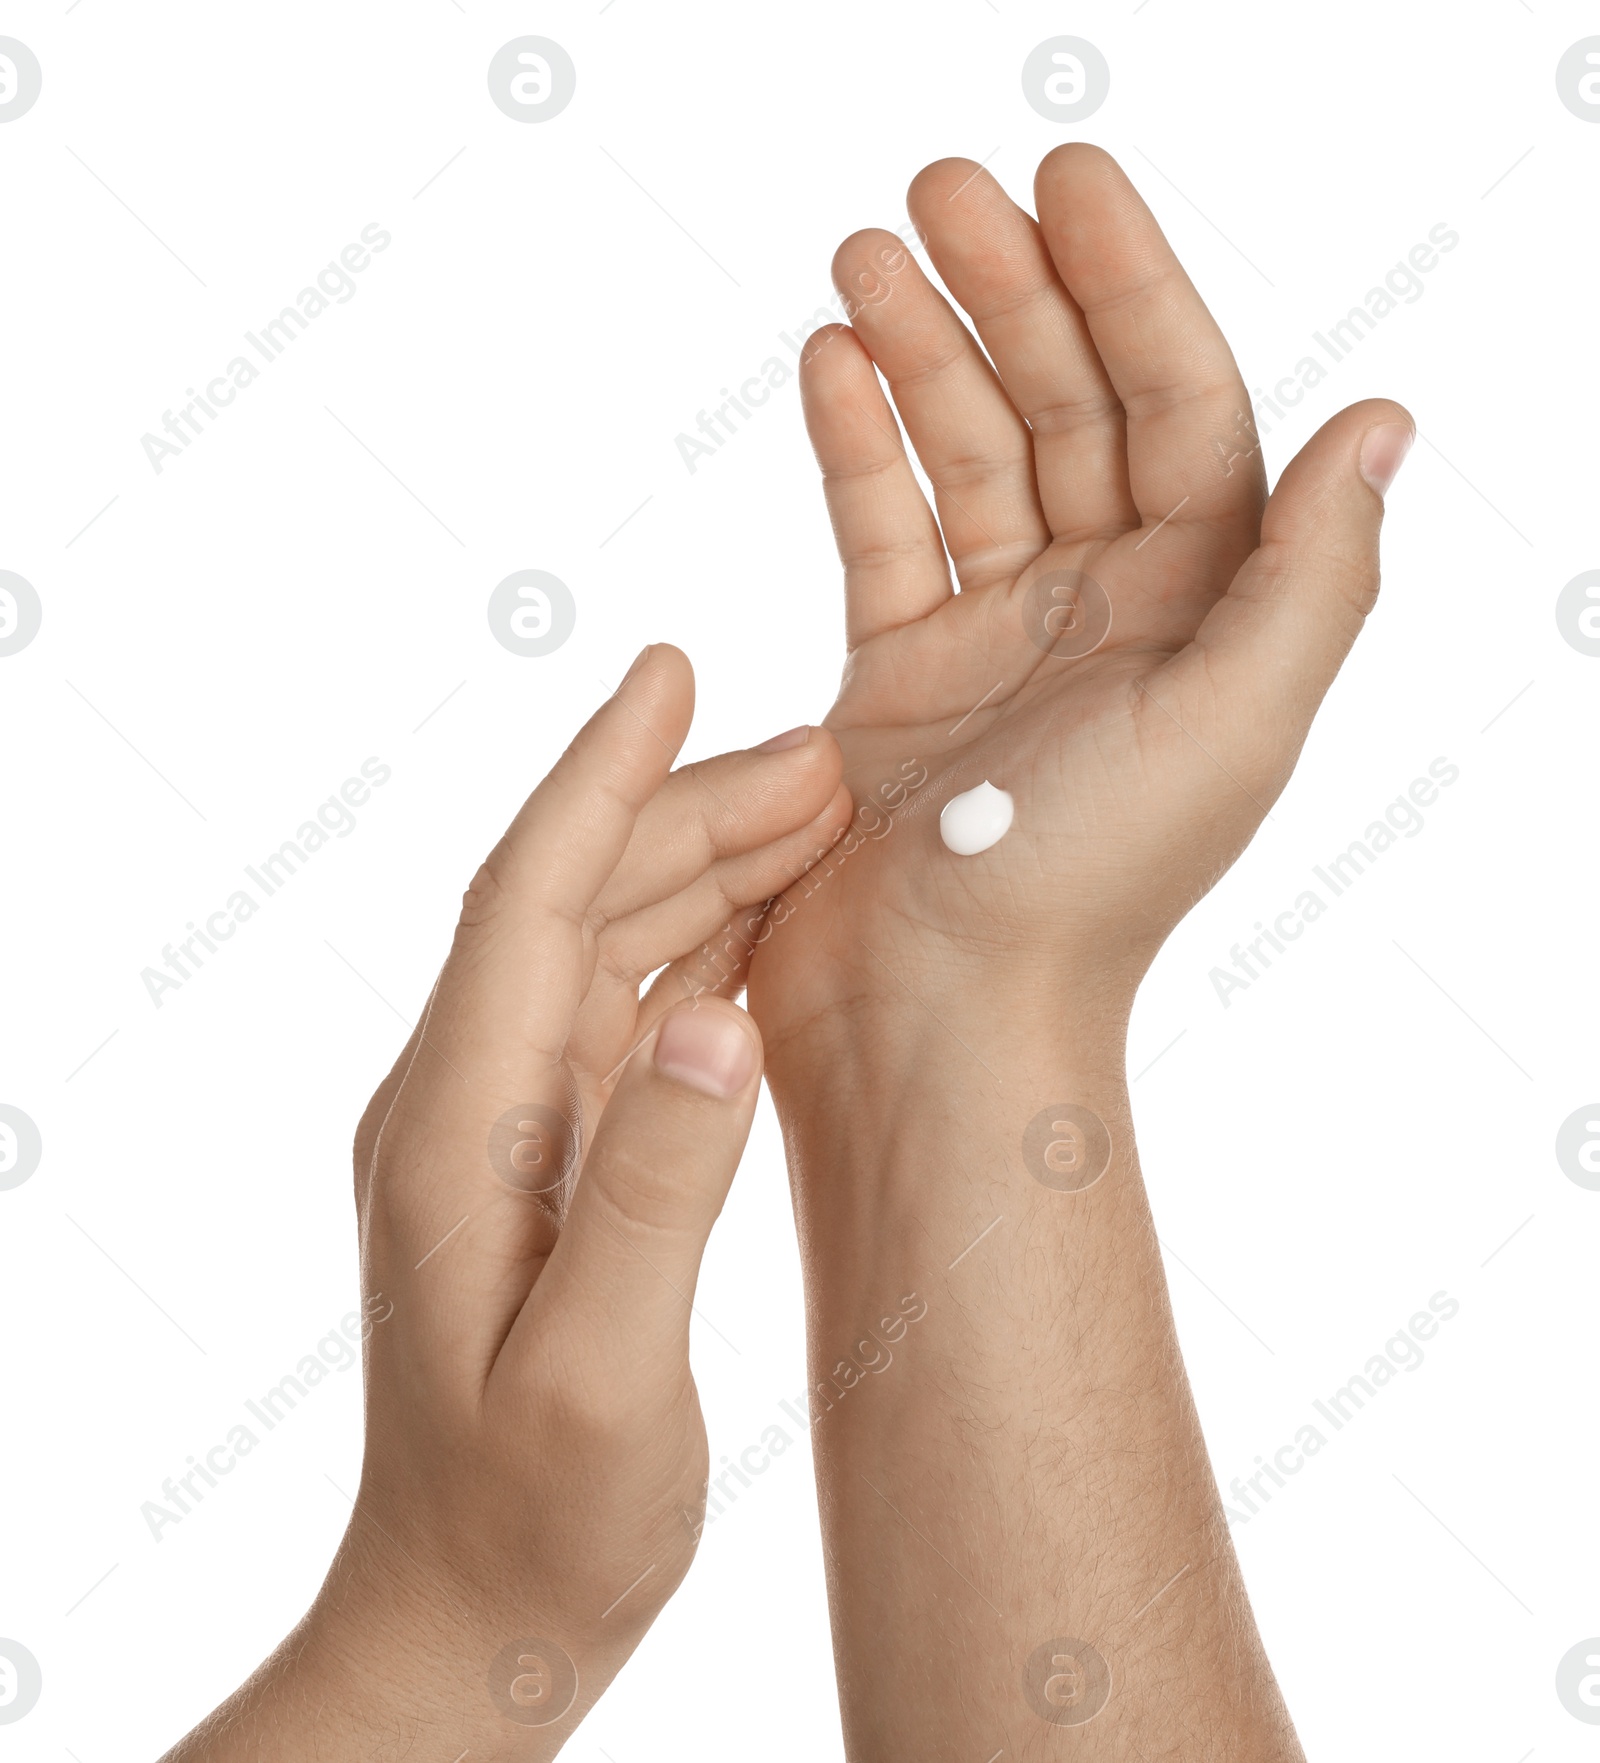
639,1192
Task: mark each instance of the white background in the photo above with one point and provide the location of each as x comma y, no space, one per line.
1366,1125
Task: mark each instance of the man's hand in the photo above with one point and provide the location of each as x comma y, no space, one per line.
1139,641
1026,1552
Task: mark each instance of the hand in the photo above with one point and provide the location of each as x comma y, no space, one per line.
1110,439
1020,1524
535,1182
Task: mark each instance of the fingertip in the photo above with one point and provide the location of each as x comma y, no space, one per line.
1369,413
943,181
1100,229
843,803
645,721
807,749
823,749
1367,441
860,247
1384,413
666,660
661,676
1076,160
1385,410
810,781
829,347
822,761
824,785
1383,451
839,812
830,824
787,741
708,1045
867,266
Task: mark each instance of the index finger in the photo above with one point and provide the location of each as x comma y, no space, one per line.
524,947
445,1228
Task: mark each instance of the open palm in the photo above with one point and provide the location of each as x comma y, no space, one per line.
1139,640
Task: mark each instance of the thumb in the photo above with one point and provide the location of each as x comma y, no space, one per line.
657,1173
1284,627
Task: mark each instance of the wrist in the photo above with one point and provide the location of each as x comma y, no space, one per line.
968,1176
902,1088
905,1006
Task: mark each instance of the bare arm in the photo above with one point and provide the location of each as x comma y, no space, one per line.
1023,1533
1025,1548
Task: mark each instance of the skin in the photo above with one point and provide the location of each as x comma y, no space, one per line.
1024,1543
1026,1490
535,1468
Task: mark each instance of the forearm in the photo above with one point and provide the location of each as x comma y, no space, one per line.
356,1678
1023,1465
392,1663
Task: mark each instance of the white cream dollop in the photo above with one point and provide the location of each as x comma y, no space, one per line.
976,819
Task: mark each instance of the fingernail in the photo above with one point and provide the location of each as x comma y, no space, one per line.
793,737
707,1050
1383,452
638,662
